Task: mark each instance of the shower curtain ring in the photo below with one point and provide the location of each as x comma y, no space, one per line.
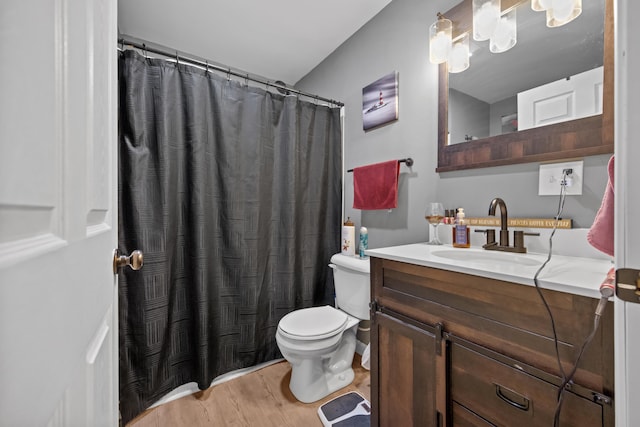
246,80
144,50
206,70
177,58
229,74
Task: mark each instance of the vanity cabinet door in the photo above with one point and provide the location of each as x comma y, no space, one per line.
403,373
504,395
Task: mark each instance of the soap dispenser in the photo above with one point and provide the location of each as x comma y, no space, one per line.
461,231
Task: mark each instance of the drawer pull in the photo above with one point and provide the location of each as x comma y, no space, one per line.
505,395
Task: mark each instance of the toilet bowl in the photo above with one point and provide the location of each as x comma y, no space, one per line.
320,342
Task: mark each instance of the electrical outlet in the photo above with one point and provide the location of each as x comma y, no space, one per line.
550,178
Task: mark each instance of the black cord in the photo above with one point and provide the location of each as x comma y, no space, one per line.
566,379
561,201
585,344
535,277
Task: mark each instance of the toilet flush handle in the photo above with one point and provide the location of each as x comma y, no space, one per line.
333,266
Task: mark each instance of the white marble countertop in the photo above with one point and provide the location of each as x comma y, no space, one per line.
576,275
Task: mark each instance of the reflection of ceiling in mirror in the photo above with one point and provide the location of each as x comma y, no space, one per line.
541,54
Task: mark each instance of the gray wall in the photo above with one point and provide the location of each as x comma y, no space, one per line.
499,109
468,117
397,39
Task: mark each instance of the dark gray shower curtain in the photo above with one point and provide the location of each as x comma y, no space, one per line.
233,194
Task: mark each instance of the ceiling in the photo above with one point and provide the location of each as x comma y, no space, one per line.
276,39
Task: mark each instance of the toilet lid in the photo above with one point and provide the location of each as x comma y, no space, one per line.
314,322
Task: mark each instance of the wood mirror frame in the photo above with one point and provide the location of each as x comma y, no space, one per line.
576,138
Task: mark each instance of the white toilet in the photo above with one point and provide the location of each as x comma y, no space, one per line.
319,342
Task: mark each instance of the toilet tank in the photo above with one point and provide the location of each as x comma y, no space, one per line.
352,283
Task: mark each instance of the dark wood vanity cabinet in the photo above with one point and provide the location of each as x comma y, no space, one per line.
406,372
453,349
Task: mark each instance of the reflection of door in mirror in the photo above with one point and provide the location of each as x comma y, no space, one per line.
487,99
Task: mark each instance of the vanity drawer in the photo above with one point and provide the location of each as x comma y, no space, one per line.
462,417
506,396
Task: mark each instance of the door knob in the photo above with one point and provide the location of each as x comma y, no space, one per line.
135,260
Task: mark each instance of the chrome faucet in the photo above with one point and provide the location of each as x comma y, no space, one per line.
504,231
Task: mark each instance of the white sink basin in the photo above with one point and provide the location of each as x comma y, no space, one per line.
489,257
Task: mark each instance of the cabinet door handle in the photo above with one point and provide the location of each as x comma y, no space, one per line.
504,395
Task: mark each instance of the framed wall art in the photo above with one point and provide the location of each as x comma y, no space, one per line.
380,101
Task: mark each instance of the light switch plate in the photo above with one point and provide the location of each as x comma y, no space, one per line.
550,177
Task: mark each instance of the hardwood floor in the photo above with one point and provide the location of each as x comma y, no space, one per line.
261,398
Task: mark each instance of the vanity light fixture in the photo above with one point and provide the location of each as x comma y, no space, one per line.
486,14
563,12
459,56
443,49
489,23
505,35
440,40
540,5
559,12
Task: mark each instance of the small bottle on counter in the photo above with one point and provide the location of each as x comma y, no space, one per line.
364,241
461,235
348,238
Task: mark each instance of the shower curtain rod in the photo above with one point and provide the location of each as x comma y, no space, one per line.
123,41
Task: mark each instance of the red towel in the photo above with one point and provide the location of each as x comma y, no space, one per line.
600,235
376,186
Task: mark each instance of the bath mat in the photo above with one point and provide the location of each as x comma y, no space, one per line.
347,410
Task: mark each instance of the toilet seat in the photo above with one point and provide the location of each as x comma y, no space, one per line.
313,323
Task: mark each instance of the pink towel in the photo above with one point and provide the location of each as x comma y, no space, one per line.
376,186
600,235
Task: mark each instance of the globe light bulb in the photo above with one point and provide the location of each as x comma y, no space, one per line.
540,5
485,18
563,11
505,35
459,56
439,41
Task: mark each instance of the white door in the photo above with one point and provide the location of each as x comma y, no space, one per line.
627,206
58,213
565,99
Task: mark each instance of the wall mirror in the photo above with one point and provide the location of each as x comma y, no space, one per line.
479,124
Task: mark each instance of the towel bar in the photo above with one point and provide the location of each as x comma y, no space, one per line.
408,161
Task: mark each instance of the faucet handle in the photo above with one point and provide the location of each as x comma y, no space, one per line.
491,235
518,239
